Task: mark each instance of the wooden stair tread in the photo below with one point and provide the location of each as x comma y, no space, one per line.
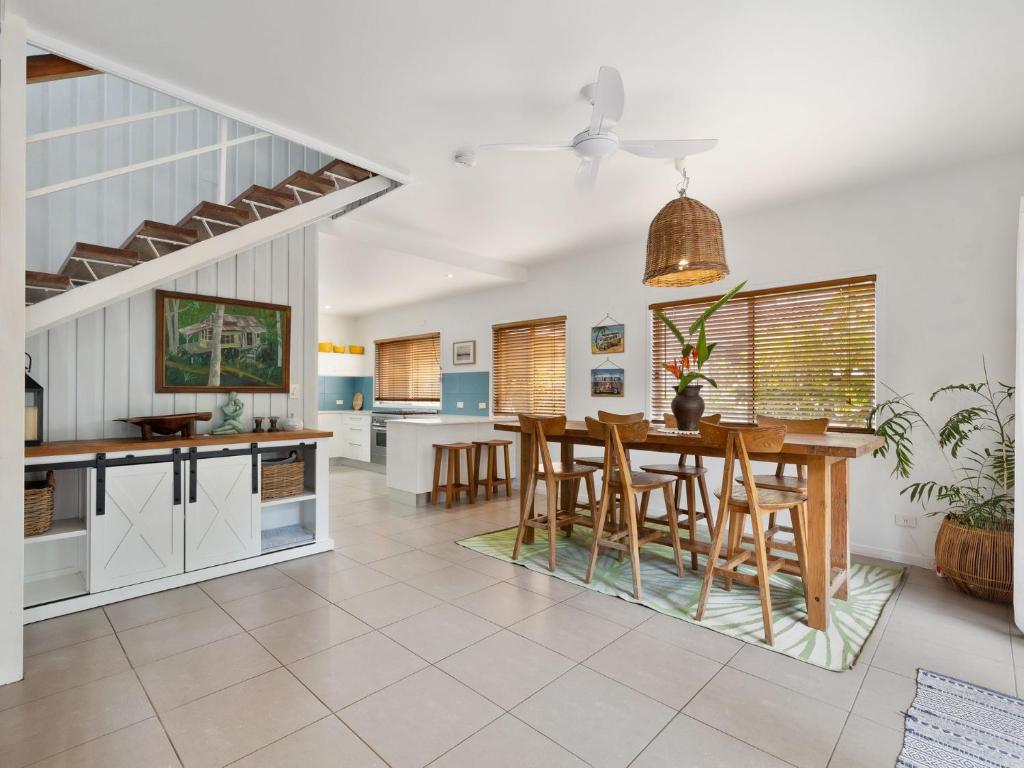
157,229
88,262
224,214
305,182
42,285
264,196
344,172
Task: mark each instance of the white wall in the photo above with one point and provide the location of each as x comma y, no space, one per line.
942,246
337,329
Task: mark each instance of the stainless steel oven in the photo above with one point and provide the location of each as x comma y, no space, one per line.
379,432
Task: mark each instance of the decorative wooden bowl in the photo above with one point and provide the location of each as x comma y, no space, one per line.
169,424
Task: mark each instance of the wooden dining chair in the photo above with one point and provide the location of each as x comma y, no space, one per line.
552,473
738,501
691,478
598,461
628,534
779,480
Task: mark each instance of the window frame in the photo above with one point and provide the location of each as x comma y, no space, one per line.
535,322
420,403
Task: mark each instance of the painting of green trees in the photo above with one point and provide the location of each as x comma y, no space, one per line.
210,344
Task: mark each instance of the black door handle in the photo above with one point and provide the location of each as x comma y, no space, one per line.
193,462
176,492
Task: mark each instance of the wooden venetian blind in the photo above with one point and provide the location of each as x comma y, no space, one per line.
529,366
800,351
408,369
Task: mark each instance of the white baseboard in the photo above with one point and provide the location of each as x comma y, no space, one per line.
896,556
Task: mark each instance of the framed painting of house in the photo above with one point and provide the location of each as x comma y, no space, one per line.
214,344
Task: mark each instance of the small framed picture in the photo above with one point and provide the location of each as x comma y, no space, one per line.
607,382
608,339
464,353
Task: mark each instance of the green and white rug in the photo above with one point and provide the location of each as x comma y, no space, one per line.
736,613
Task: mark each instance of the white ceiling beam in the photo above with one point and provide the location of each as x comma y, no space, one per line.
92,296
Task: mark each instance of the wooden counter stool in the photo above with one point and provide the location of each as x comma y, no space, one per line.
620,480
451,455
742,499
597,462
490,480
541,467
692,477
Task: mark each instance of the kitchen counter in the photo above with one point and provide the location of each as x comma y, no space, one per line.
444,418
122,444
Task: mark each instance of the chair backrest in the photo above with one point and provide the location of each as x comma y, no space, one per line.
619,418
541,428
794,427
739,443
671,423
614,435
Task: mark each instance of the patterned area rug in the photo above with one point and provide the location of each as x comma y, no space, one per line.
736,613
953,723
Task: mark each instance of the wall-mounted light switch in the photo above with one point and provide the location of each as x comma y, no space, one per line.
293,392
459,404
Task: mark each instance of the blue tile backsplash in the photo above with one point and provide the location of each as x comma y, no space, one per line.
470,389
334,388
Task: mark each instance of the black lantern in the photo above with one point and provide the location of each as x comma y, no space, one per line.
33,408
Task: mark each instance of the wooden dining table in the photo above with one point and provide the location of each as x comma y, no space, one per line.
827,460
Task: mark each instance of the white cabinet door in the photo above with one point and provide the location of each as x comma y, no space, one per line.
139,536
223,523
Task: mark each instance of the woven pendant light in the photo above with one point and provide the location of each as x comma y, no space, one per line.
685,245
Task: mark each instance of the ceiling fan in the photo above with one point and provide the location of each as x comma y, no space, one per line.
597,141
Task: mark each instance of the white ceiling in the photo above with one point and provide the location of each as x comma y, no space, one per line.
805,96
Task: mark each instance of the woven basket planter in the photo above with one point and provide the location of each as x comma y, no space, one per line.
977,561
283,477
39,504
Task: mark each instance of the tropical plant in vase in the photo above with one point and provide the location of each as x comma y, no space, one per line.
694,352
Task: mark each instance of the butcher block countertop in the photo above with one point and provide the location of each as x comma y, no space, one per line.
122,444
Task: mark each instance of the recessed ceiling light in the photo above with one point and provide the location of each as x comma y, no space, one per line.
450,275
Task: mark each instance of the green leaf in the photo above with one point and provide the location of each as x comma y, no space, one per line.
714,308
702,348
672,327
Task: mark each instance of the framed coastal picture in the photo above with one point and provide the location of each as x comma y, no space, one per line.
607,382
213,344
464,353
608,339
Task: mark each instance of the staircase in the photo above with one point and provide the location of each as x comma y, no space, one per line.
87,262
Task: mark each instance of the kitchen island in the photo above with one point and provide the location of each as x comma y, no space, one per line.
410,465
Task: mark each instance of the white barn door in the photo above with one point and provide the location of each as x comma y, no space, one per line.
223,523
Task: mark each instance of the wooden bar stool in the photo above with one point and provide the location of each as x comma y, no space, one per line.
451,455
739,500
489,480
552,473
620,480
597,462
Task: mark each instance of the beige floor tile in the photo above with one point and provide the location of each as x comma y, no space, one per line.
440,631
327,743
352,582
345,673
689,743
431,711
452,582
388,604
46,727
267,607
786,724
161,639
665,672
307,570
904,653
43,636
224,726
162,605
370,550
63,668
549,586
836,688
410,564
570,632
692,637
865,744
611,608
504,603
885,697
506,668
143,744
451,551
299,636
508,743
427,536
239,585
600,720
975,632
499,569
185,677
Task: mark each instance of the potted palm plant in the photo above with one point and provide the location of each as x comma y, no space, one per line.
694,352
974,545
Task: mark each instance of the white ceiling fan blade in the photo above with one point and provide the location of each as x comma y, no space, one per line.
524,147
668,149
586,175
609,100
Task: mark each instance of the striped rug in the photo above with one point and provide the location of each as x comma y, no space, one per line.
953,723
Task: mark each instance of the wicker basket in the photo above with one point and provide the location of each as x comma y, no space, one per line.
976,561
39,504
283,477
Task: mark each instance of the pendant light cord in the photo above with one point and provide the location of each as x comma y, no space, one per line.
682,186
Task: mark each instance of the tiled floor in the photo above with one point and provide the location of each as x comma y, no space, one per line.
404,649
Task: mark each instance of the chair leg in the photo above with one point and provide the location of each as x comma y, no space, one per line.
763,584
436,488
530,490
736,520
471,471
691,514
451,479
673,528
645,499
552,499
629,510
574,496
591,498
508,473
717,537
488,475
798,515
595,545
705,501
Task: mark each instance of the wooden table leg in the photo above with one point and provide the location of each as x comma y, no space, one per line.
840,480
567,504
525,473
818,568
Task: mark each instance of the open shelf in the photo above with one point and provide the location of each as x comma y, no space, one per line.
54,588
308,495
67,528
285,537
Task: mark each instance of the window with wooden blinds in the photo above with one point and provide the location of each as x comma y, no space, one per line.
800,351
529,366
408,369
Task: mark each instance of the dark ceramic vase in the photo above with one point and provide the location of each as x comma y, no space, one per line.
688,407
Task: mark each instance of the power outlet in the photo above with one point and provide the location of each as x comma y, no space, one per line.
293,392
482,406
906,521
459,404
339,402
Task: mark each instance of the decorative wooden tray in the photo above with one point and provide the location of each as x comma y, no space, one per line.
169,424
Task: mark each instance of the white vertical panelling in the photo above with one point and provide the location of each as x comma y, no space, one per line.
280,272
89,375
163,402
261,292
206,285
116,370
296,297
306,408
185,402
244,290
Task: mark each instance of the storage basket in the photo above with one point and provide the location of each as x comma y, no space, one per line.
39,504
356,349
325,346
282,477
